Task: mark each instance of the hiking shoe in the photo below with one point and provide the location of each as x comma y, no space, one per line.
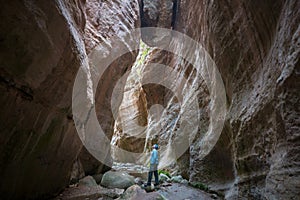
146,185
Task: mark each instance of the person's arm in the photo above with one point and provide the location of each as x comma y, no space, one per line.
152,159
157,157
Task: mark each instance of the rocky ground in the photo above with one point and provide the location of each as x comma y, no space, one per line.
121,185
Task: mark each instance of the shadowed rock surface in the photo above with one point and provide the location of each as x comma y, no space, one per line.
84,192
255,45
43,44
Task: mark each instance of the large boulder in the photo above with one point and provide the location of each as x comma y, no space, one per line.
84,192
88,181
163,178
177,179
113,179
135,192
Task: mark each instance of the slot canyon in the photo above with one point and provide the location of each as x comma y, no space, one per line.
213,82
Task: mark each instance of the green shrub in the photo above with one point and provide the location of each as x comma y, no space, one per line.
161,171
200,186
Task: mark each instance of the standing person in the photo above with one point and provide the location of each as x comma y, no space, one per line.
153,166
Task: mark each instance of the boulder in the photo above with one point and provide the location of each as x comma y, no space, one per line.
88,181
184,181
138,181
94,192
148,188
112,179
163,178
136,193
177,179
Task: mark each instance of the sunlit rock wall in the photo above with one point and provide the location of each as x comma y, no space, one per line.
108,21
255,46
131,123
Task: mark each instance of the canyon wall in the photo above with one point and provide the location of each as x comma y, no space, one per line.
41,51
43,44
255,46
106,20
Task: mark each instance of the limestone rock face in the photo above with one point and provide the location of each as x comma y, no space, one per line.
43,44
107,24
41,50
131,123
77,172
256,49
90,165
155,13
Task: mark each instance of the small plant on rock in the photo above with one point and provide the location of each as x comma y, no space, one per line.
199,185
161,171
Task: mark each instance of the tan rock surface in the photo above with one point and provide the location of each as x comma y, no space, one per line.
256,49
43,44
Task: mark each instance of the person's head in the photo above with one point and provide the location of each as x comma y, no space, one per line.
155,146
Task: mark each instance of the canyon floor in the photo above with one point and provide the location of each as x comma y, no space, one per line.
168,190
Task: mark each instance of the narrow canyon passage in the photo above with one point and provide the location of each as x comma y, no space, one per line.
88,87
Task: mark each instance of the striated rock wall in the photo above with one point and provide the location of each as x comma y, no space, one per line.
256,48
41,50
43,44
106,19
131,124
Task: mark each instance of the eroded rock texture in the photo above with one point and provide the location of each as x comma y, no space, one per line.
255,46
43,44
40,54
107,19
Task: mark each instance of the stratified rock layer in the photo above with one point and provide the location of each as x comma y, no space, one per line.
256,49
43,44
41,50
255,46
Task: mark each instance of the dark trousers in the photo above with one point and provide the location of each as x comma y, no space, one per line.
150,177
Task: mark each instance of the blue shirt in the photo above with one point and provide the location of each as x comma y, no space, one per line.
154,157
